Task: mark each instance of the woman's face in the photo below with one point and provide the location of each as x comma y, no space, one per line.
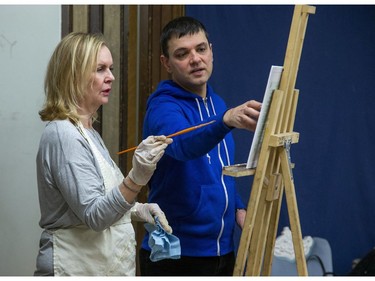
99,90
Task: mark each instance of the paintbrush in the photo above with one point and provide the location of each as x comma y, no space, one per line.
184,131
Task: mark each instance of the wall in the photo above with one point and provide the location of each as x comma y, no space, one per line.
28,35
334,173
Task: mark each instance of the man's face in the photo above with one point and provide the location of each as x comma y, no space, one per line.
190,62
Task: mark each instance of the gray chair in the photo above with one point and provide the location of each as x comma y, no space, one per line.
319,261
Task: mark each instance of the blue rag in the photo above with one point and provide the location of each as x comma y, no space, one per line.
163,245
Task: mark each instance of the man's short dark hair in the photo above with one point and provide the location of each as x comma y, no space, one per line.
180,27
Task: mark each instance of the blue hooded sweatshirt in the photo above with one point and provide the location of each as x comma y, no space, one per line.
197,199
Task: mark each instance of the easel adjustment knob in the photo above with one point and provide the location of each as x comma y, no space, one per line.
282,139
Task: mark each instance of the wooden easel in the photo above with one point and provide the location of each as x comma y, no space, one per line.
273,173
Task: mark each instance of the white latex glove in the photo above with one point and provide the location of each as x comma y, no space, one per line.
145,157
147,211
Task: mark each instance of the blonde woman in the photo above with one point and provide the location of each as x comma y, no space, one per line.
86,203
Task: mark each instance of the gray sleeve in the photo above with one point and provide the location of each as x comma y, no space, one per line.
71,171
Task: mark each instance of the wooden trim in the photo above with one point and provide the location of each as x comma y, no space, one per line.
80,18
145,63
96,17
132,76
66,19
111,111
124,162
96,23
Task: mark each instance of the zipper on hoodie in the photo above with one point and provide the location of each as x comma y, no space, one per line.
205,102
208,114
222,179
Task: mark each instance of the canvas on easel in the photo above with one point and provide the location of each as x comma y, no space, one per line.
272,84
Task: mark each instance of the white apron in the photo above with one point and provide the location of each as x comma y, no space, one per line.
82,251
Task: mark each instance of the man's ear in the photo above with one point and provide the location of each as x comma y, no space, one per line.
165,62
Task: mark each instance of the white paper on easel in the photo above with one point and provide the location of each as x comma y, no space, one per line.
272,84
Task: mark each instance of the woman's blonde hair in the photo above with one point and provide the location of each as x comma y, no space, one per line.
69,73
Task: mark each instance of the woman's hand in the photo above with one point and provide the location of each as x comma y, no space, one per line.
147,212
145,157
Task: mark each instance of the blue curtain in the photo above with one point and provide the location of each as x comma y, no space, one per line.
334,174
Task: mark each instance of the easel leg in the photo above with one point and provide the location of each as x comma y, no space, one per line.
272,231
262,220
247,231
293,213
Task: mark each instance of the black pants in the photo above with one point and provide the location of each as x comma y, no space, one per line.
187,266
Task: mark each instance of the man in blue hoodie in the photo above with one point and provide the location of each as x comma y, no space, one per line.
201,204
